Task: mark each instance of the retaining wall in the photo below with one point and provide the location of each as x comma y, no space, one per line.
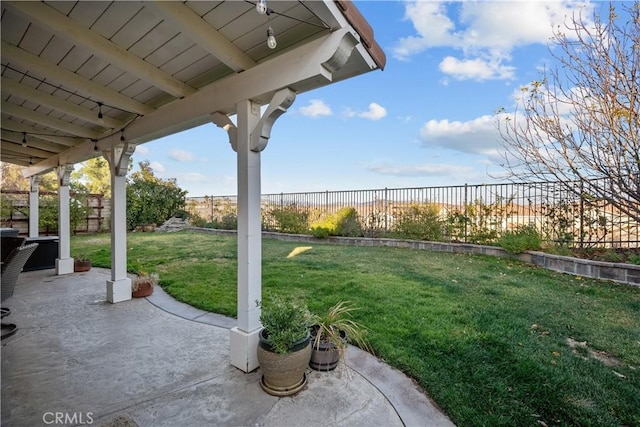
617,272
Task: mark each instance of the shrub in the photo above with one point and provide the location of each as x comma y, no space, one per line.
286,322
229,221
197,221
151,200
419,222
342,223
289,219
525,238
320,232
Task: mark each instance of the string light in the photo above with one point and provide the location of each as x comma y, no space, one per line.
100,116
271,38
95,144
122,135
261,7
24,139
30,160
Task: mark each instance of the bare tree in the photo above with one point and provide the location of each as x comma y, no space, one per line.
581,121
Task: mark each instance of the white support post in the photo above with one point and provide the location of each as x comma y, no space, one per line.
249,139
119,287
64,262
34,205
244,337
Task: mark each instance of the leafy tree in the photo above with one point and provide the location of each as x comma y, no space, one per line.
152,200
93,176
581,120
12,179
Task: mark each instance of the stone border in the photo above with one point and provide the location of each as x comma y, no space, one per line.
616,272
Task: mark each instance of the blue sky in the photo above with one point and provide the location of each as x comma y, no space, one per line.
428,119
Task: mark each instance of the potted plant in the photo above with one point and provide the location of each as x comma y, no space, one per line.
330,335
142,285
284,347
81,263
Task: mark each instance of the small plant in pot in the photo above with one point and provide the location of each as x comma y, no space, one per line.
142,285
330,335
81,263
284,347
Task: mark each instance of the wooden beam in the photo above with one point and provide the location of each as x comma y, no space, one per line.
43,119
12,87
27,151
307,67
207,37
14,126
32,142
72,80
301,69
69,29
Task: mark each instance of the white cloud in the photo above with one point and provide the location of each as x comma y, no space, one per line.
157,167
375,112
191,177
477,136
141,149
485,31
427,169
181,155
475,69
316,108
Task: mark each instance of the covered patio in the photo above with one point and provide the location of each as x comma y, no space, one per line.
85,79
144,362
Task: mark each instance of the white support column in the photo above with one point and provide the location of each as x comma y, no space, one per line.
119,287
64,262
249,139
244,337
34,205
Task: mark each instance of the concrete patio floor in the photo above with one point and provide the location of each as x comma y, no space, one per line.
77,359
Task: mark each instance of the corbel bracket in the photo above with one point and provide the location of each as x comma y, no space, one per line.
34,182
223,121
64,175
279,104
119,157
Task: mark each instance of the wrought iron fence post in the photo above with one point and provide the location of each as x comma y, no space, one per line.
465,218
386,211
581,214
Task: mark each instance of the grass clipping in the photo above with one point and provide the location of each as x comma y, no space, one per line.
298,251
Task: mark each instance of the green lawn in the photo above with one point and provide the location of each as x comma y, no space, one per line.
492,341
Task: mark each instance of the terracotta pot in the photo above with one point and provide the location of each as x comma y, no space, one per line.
283,374
144,289
81,265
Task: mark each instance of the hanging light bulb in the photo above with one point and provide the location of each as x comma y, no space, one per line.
271,39
30,160
95,144
100,116
122,135
24,139
261,7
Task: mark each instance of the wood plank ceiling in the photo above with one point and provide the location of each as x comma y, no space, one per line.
80,76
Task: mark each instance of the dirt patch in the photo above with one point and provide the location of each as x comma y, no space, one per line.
581,349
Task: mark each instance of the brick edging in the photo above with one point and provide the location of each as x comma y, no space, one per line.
616,272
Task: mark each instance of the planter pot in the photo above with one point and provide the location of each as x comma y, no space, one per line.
81,265
327,355
144,289
283,374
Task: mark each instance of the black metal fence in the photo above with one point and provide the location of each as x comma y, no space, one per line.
467,213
